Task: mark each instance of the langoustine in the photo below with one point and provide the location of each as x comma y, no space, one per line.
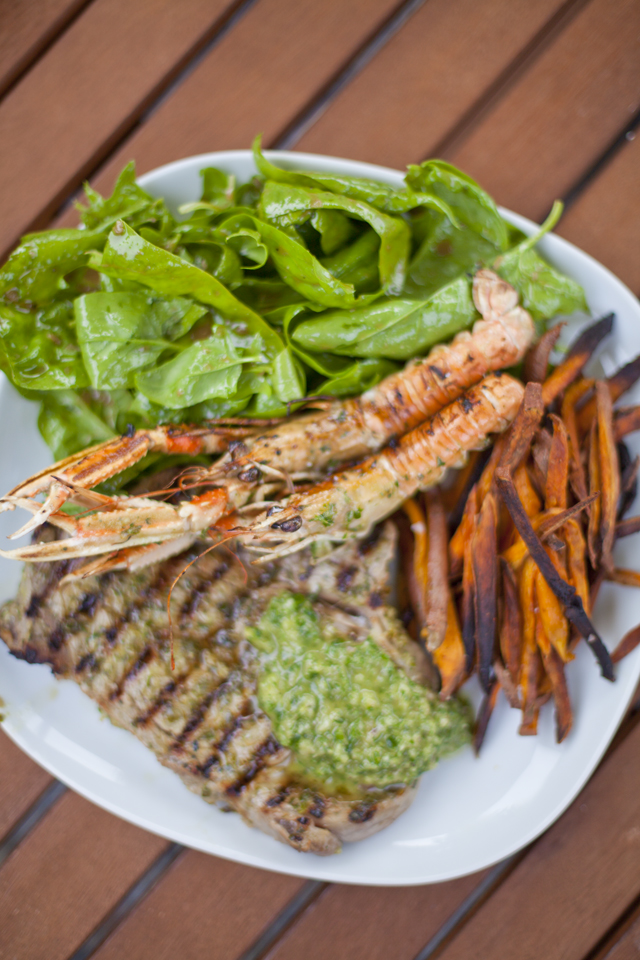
350,503
296,449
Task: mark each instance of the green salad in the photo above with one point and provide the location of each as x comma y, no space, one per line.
253,297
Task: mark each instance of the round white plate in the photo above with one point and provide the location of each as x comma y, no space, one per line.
469,812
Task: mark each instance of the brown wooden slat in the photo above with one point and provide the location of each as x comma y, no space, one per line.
373,923
21,783
65,876
26,27
202,907
258,78
605,219
552,126
625,946
417,89
576,881
84,93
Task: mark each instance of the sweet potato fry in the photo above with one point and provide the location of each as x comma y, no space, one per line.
485,586
544,524
449,657
536,362
518,438
510,623
627,421
558,468
628,578
530,668
552,618
526,491
463,534
468,606
509,687
418,580
540,453
626,527
554,668
609,473
576,561
437,571
571,397
593,535
454,497
628,478
628,643
581,351
622,380
484,715
486,479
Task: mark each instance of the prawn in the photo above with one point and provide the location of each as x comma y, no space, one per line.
350,503
297,449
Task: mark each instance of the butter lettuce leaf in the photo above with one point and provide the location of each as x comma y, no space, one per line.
120,333
396,328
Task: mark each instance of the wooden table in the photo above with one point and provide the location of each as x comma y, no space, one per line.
537,99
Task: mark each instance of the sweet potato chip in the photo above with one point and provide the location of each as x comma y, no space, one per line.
618,384
510,623
463,534
576,561
450,657
531,664
484,715
627,420
484,556
609,473
558,468
581,351
628,643
554,669
536,362
628,578
593,538
551,615
437,571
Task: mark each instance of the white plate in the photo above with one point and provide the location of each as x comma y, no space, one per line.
469,812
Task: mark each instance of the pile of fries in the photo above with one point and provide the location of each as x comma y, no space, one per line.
502,569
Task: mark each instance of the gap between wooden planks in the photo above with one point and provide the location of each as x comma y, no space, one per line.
27,27
93,86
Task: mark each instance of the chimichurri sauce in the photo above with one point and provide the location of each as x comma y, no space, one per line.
350,716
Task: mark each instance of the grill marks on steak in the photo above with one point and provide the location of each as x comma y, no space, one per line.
111,635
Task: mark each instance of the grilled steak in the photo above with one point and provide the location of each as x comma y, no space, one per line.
111,635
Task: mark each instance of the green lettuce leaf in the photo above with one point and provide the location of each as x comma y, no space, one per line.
544,291
208,369
379,195
120,333
280,201
446,251
40,347
395,328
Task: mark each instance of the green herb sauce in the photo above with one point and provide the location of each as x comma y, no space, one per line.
350,716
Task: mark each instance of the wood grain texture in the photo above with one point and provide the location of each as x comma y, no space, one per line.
416,90
552,125
605,219
83,94
576,881
202,907
373,923
26,27
21,783
625,947
65,876
257,79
